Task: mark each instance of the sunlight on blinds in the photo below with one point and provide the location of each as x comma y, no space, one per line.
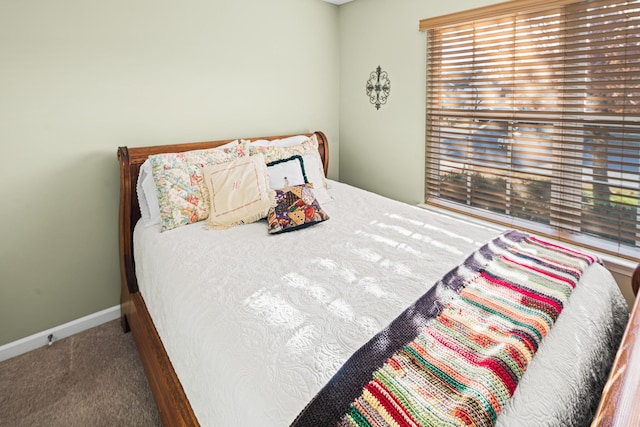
533,119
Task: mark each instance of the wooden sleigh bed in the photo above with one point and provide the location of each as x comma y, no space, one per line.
171,398
169,395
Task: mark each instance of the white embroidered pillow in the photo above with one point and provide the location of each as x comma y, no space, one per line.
286,172
310,156
239,192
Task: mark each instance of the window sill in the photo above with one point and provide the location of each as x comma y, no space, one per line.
615,264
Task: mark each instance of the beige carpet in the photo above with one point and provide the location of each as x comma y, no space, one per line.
94,378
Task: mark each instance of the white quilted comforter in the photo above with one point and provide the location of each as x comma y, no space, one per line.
255,324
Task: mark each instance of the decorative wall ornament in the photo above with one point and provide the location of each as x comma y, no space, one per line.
378,87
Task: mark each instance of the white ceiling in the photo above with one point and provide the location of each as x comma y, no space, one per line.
337,1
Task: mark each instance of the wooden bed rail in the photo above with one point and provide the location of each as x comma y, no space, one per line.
620,401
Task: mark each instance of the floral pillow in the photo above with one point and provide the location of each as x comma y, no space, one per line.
182,194
296,207
272,153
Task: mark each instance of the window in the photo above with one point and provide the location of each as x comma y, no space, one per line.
533,118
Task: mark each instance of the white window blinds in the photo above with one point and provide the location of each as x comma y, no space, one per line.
533,118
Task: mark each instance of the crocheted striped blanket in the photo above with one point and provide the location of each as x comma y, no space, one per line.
455,356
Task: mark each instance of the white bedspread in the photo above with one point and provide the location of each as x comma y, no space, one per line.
256,324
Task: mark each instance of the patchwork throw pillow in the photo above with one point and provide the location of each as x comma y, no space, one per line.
296,207
182,194
239,192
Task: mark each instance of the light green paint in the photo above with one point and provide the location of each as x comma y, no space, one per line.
383,150
80,78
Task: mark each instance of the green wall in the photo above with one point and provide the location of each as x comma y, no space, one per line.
81,77
383,150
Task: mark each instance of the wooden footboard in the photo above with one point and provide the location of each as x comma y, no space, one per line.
620,401
167,391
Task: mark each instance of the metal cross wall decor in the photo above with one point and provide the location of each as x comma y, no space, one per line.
378,87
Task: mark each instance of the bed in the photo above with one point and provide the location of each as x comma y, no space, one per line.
241,327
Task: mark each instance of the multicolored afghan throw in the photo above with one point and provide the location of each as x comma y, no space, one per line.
455,357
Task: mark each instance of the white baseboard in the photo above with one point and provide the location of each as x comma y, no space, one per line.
41,339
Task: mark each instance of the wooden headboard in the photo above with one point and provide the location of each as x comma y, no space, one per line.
130,161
